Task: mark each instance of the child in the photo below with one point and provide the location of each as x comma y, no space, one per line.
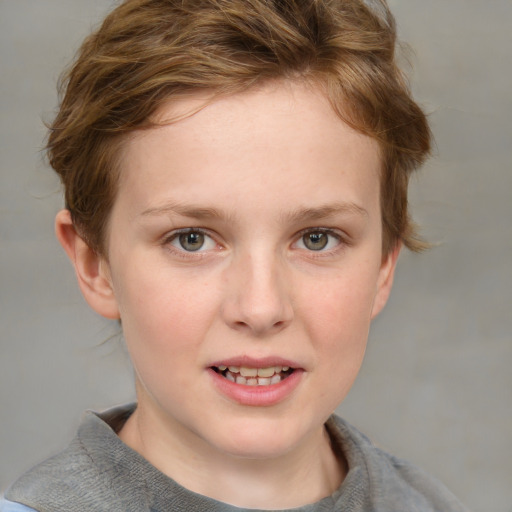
235,177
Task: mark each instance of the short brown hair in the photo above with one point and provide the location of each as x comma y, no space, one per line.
147,52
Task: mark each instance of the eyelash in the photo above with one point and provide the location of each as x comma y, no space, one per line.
182,252
200,252
331,233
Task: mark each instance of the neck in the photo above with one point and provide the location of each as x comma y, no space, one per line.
304,475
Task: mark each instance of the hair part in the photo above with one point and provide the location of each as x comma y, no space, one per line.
148,52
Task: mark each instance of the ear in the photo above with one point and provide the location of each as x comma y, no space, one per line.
92,270
385,280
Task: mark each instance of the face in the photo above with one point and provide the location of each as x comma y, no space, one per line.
244,255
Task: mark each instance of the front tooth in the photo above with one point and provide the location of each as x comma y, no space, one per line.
234,369
241,380
264,381
252,382
266,372
248,372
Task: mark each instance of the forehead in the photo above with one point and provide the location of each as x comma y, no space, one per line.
283,136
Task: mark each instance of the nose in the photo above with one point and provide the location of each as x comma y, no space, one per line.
258,296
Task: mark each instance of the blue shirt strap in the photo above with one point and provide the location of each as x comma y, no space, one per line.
11,506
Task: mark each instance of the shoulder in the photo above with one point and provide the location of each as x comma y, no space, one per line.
78,478
11,506
391,483
55,481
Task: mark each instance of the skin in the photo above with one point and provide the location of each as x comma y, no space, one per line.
259,175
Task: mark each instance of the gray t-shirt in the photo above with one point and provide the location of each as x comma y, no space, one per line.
98,472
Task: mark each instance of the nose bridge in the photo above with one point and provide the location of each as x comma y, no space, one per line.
258,299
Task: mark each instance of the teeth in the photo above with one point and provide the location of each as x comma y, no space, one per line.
253,376
267,372
260,381
275,379
248,372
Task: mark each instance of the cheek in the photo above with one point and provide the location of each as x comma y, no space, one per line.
338,320
164,325
342,304
164,315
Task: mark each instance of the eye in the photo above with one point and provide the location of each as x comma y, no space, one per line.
318,240
192,240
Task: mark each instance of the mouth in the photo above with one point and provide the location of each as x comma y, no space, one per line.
249,376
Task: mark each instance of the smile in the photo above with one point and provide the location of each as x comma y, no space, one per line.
247,376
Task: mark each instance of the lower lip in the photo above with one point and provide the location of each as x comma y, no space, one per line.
257,396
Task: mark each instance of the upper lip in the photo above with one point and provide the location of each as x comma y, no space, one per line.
256,362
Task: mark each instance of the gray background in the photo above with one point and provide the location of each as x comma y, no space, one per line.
436,386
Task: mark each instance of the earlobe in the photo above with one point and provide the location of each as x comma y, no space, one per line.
385,281
92,270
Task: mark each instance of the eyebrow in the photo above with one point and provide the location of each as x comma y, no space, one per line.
326,211
196,212
297,216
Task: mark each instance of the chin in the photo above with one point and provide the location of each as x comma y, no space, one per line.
259,439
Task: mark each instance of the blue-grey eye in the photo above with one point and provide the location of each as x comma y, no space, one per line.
318,240
315,241
192,241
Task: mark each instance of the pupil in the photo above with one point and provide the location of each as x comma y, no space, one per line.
192,241
315,241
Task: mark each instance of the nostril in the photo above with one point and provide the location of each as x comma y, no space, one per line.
260,328
254,313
